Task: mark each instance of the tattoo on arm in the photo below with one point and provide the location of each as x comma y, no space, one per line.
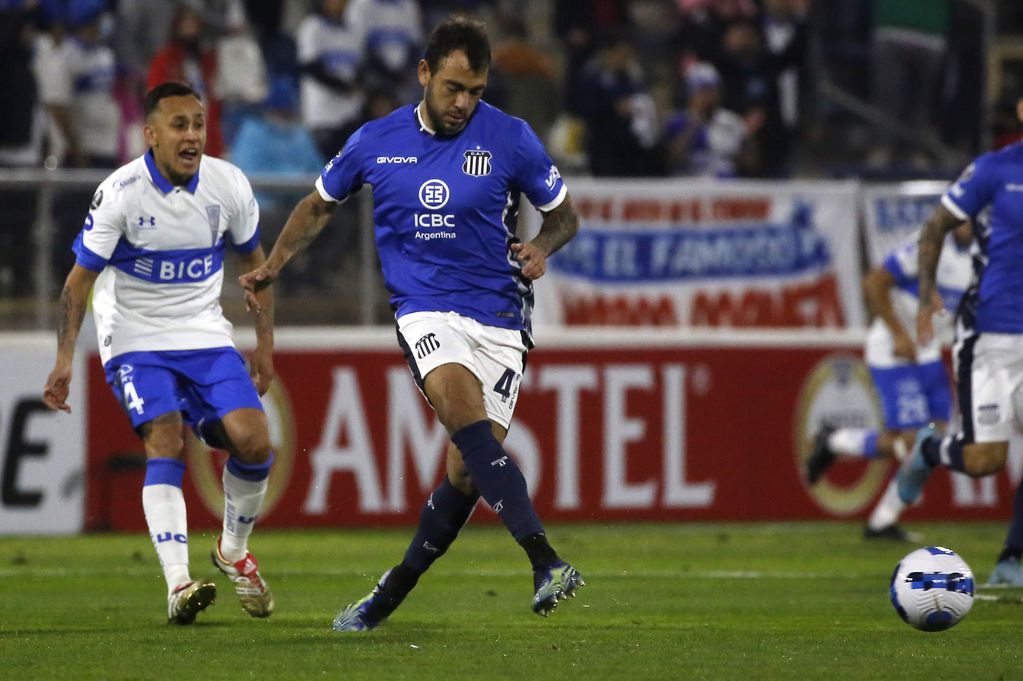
558,228
932,238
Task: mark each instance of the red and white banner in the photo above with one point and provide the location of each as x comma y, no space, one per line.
710,427
686,253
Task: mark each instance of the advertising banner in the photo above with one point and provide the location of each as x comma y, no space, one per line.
713,426
42,452
708,254
895,212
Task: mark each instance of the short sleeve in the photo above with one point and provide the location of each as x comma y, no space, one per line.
536,174
103,228
974,189
342,176
902,262
244,226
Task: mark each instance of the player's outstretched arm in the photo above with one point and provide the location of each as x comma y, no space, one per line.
932,238
261,364
558,228
307,219
73,302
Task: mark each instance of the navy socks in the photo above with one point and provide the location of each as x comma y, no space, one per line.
442,516
498,478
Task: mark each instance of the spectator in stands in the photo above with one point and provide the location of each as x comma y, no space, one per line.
187,58
241,76
784,36
702,27
528,77
276,142
330,55
706,139
20,145
577,24
619,111
909,41
76,75
393,34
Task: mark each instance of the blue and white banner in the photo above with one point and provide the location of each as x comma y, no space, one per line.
707,254
894,212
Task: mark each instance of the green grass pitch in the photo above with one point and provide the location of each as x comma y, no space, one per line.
679,601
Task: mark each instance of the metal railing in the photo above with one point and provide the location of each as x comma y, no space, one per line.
338,282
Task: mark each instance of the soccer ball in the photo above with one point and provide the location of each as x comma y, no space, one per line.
932,588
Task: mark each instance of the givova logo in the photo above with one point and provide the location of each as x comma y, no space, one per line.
839,391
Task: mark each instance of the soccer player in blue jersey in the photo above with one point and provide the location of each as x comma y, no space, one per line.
989,344
152,251
447,176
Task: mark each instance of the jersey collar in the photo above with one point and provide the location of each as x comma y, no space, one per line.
423,127
161,182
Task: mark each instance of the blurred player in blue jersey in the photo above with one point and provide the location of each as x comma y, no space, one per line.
911,380
989,338
447,177
152,251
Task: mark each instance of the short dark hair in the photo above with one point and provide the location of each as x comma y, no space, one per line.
458,33
170,88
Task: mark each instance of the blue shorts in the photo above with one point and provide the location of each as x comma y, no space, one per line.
913,395
201,384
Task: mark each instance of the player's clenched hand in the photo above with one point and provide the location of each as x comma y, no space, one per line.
533,259
58,386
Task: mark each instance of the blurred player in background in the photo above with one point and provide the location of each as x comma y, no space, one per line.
153,249
447,175
989,336
910,379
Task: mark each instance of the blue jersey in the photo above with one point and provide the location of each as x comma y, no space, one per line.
990,193
446,209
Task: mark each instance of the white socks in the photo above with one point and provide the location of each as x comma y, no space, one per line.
164,506
888,509
242,502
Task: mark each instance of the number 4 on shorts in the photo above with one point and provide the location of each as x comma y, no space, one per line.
505,384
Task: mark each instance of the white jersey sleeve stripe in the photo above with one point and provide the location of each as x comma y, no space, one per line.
547,207
955,210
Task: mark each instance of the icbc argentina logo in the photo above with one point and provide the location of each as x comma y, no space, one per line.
206,466
839,392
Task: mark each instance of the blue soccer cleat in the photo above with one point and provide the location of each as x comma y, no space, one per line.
553,584
361,615
915,470
1007,572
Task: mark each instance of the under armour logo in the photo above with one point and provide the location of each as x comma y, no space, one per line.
426,345
499,506
502,462
430,547
429,502
151,220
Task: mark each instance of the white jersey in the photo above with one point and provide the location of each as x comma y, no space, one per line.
953,277
81,77
160,253
338,48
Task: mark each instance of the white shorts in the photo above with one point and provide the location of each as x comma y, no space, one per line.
989,369
496,356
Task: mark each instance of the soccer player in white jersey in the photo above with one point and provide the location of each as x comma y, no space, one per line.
989,335
447,176
911,380
152,251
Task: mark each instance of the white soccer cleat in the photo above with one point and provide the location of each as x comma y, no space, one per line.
188,600
253,591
